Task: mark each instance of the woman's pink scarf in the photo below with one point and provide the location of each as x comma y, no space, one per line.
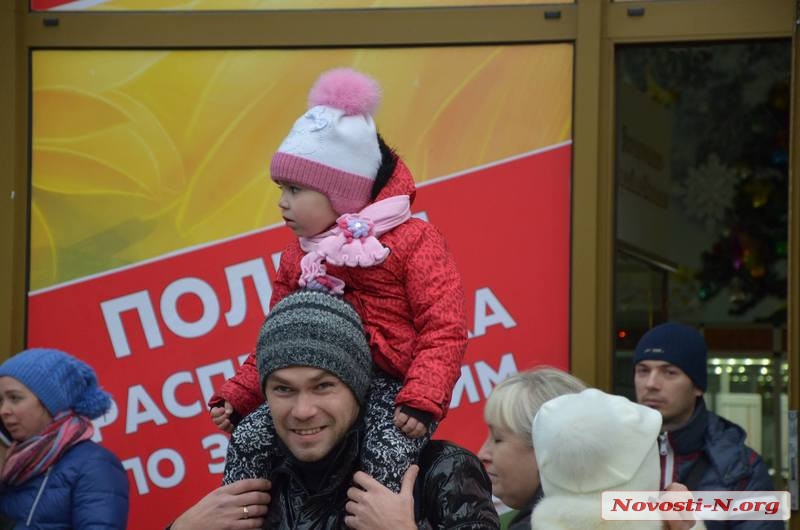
352,242
35,455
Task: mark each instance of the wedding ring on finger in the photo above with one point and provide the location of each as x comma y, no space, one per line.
246,512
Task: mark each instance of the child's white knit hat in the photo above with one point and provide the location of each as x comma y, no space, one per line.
333,147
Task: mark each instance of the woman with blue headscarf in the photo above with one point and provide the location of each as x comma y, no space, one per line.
54,476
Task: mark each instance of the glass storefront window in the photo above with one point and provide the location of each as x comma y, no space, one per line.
701,169
752,392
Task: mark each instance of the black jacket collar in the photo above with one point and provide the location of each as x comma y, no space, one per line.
690,437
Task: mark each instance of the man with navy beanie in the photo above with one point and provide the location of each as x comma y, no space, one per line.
698,448
670,371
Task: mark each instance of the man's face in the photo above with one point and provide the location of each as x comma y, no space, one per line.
666,388
312,410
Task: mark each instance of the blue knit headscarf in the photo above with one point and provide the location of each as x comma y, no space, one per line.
59,380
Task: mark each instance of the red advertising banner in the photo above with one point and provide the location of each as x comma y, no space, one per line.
162,334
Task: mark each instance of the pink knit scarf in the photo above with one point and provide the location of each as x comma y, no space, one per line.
33,456
352,242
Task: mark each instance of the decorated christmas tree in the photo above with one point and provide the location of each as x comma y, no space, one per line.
729,159
749,255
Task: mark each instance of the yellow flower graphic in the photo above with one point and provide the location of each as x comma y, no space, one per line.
141,153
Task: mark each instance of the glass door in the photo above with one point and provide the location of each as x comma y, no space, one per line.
702,181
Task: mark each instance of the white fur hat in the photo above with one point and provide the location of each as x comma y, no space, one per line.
591,442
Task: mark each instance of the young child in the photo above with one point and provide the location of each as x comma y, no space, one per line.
592,442
347,197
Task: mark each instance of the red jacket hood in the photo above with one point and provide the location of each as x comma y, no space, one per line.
400,183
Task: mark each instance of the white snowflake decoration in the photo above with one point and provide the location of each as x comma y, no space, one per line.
708,191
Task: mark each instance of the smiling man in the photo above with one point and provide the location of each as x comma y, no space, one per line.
316,369
698,448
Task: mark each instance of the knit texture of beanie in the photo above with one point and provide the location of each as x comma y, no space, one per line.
333,147
59,380
676,344
320,330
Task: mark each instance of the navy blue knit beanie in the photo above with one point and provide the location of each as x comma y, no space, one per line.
677,344
59,380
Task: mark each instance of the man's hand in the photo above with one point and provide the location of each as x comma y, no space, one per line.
411,427
374,506
238,506
678,492
221,417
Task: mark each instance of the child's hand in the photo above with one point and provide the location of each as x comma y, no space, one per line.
221,417
411,427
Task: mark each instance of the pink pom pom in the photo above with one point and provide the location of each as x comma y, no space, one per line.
346,89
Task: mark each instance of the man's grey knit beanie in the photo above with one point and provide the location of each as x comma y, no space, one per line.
312,328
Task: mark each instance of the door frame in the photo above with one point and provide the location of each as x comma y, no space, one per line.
595,27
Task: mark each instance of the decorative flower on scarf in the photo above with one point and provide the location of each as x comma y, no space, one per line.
354,227
351,242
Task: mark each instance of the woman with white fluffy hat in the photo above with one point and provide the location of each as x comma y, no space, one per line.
592,442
